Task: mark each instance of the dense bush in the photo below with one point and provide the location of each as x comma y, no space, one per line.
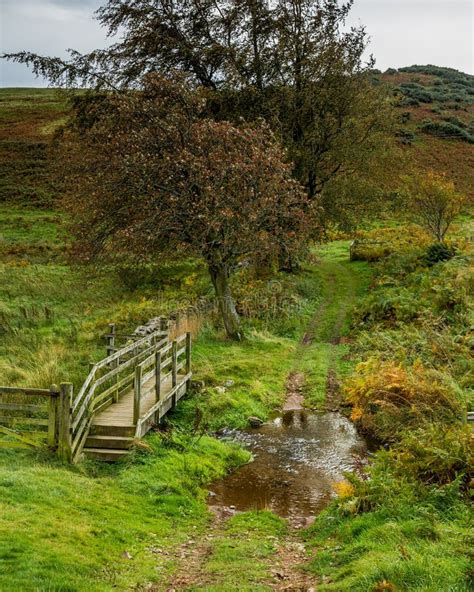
378,244
416,92
454,121
439,252
435,453
445,74
449,87
406,136
389,399
444,129
368,250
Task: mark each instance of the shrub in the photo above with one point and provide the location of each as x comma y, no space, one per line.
435,453
417,92
361,250
390,306
439,252
454,121
389,398
432,201
443,129
380,243
406,136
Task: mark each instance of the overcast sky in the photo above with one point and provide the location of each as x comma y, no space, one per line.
403,32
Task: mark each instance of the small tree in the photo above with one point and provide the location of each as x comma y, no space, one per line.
433,202
150,178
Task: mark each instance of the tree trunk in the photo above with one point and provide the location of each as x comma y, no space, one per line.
220,281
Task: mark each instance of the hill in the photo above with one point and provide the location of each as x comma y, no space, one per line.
436,128
366,336
436,107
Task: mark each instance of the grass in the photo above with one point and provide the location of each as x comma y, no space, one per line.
407,527
27,119
98,528
405,544
241,555
327,352
92,527
79,525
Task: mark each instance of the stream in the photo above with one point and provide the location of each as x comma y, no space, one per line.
297,458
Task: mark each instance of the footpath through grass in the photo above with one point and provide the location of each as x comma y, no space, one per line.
408,526
93,527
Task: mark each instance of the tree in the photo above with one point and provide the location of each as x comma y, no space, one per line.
433,202
291,62
149,178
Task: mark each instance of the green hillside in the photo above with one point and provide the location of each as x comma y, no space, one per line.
384,338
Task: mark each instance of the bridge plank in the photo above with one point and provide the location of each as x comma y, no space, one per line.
121,413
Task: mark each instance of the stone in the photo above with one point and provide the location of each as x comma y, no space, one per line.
198,385
229,383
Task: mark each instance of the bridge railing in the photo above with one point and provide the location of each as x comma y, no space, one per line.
160,380
106,382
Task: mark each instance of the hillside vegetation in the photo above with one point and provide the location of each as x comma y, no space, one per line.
436,119
393,326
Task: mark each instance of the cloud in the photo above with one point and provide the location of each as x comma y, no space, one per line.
46,27
406,32
403,32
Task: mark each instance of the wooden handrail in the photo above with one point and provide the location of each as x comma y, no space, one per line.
33,392
70,418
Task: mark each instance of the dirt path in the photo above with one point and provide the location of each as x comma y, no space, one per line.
285,573
322,345
193,555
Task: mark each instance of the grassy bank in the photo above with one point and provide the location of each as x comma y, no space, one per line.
97,528
407,527
121,527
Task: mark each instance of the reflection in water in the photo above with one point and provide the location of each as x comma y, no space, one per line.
297,459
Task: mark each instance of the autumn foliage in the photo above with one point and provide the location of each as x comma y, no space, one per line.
433,202
388,398
151,178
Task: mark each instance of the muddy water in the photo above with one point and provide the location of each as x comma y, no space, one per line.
297,459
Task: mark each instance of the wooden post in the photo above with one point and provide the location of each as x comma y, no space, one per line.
188,353
111,340
137,393
116,379
65,431
157,376
174,364
157,384
53,416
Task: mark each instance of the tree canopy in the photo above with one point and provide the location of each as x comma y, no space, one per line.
149,177
293,63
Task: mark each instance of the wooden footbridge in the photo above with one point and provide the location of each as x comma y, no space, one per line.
123,396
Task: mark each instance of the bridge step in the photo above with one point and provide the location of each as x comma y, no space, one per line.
116,442
112,430
105,454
